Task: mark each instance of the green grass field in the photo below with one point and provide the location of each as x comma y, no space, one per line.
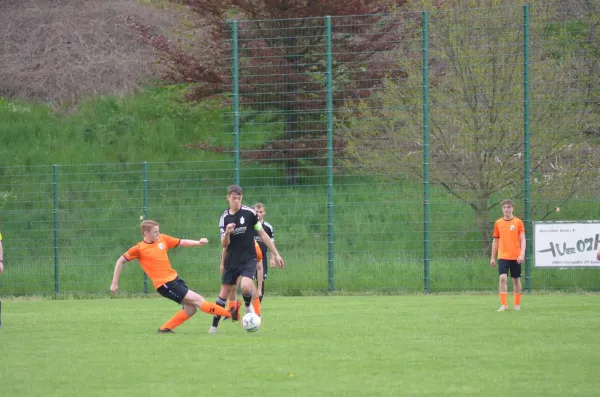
308,346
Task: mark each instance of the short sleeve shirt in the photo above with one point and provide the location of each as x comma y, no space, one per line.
268,228
508,234
154,260
241,247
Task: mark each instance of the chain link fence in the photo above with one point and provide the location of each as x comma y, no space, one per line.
380,145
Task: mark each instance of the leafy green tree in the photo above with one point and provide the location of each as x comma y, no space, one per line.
476,94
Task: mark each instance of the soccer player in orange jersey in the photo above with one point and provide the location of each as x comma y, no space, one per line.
151,252
509,243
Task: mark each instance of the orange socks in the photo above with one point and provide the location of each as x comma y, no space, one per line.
207,307
503,299
517,299
256,305
176,320
211,308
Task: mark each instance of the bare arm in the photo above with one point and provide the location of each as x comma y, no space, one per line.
598,255
225,240
521,257
222,265
267,241
259,277
114,286
494,252
193,243
272,259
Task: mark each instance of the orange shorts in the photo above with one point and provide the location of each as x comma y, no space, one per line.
258,252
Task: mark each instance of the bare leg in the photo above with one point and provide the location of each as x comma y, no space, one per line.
516,285
503,288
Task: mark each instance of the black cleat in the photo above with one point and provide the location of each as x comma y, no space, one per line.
235,311
166,331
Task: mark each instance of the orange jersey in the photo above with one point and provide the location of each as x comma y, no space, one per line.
258,251
508,234
154,260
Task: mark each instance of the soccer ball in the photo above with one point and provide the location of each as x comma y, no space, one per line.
251,322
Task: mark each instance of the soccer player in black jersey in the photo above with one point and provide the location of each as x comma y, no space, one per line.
238,226
259,208
261,266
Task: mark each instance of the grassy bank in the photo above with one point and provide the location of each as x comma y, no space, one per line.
65,226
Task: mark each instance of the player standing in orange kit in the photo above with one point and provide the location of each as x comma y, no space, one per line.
509,243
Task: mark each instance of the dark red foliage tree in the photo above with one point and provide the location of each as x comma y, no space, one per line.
282,64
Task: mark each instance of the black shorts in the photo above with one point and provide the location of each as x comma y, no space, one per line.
505,264
175,290
246,269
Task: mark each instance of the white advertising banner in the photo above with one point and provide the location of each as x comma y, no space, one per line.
566,244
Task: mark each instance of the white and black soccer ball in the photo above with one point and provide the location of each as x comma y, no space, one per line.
251,322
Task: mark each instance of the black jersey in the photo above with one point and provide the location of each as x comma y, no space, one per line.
241,240
268,228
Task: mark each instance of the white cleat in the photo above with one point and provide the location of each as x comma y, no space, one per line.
518,307
213,330
249,309
503,308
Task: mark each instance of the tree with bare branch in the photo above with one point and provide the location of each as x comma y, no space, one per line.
476,120
62,51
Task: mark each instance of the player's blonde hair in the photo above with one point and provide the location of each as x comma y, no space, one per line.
507,202
147,225
258,205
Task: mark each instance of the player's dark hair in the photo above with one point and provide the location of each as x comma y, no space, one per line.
235,189
507,201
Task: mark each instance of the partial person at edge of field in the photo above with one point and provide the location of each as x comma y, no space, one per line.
1,271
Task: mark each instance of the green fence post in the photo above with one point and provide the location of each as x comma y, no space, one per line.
236,102
329,112
426,204
55,188
145,207
526,148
